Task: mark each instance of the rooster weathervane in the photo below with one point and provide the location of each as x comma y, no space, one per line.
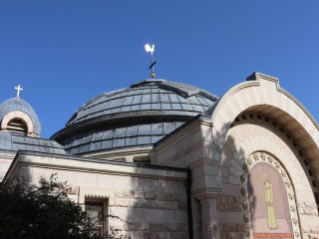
150,49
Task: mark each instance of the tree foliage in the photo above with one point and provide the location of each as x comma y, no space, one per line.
44,211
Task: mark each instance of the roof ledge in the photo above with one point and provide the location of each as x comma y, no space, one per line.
265,80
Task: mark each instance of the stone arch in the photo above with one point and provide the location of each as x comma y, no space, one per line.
242,141
262,93
18,115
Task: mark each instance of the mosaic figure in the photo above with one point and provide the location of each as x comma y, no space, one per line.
269,198
268,202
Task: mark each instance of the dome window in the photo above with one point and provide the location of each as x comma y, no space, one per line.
17,126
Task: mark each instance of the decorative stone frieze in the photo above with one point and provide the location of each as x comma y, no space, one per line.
243,178
245,205
307,208
291,196
243,192
245,168
246,218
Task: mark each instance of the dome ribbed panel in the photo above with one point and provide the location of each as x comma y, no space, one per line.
161,96
131,118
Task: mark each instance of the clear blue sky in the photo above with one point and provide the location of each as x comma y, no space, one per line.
63,53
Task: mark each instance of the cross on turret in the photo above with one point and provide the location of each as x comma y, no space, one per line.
18,89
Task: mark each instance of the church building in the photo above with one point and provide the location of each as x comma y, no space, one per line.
177,162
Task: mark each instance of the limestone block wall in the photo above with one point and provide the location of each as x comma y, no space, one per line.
150,202
6,158
245,145
150,213
183,149
193,147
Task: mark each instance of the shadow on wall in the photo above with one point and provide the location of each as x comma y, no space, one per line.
235,200
156,208
153,207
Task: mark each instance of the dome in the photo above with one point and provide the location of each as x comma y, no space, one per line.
18,104
137,116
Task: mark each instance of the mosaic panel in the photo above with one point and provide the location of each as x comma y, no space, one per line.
270,196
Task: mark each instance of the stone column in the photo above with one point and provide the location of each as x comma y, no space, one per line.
210,224
209,219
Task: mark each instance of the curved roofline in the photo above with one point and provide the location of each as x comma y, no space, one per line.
138,115
119,119
183,90
258,86
167,85
11,105
146,81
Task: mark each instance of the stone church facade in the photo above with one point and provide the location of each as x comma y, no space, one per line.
175,161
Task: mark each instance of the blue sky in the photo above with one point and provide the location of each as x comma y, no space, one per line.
63,53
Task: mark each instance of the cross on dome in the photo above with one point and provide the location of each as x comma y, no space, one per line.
18,90
150,49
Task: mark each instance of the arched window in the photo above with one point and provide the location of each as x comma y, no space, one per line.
17,126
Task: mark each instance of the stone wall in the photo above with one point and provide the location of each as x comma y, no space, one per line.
157,214
229,203
5,162
150,202
145,214
192,147
233,231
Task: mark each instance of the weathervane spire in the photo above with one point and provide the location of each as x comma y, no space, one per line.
150,49
18,90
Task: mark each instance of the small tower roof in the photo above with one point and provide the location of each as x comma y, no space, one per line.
18,104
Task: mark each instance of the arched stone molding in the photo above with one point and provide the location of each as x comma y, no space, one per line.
242,141
262,93
18,115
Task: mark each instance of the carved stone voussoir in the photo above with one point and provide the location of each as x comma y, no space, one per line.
291,197
255,155
270,159
243,192
246,218
244,205
247,232
245,168
243,178
283,174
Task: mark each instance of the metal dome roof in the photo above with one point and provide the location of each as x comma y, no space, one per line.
137,116
18,104
149,95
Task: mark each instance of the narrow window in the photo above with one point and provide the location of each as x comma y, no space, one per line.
96,210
